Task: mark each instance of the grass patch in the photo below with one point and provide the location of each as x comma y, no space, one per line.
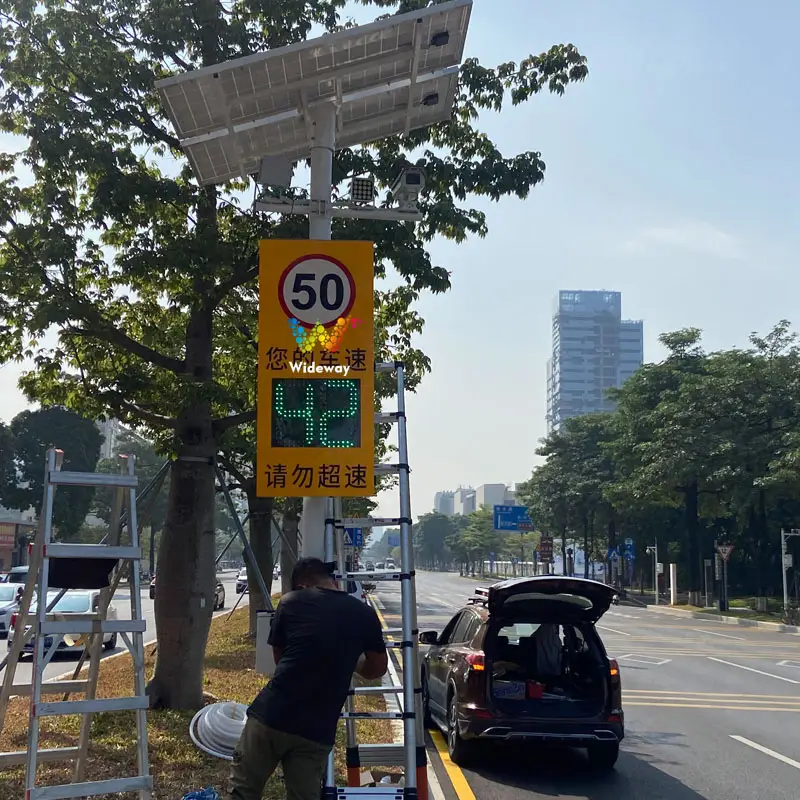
175,763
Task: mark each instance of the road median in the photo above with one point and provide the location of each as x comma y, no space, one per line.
177,765
743,622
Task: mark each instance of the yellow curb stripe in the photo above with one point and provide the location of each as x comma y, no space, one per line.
454,773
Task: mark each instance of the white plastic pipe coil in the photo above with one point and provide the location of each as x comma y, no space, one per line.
218,728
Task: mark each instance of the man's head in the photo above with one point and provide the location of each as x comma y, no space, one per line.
311,572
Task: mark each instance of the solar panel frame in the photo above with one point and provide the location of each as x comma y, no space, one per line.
229,116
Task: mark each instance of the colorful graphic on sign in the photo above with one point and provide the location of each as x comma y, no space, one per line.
315,428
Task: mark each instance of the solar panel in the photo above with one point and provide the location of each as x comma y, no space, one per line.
390,76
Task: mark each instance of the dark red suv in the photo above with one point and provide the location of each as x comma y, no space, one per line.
523,661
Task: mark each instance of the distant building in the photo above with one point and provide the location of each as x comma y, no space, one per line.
464,501
444,503
110,429
594,349
491,494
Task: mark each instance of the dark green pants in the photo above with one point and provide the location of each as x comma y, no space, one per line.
257,755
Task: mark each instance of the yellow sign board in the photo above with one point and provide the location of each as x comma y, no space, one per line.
315,434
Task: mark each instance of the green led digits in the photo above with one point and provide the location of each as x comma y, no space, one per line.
305,412
316,413
350,411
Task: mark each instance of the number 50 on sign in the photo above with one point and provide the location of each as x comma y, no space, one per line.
315,427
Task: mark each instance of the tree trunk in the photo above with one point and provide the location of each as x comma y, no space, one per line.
586,532
188,547
289,550
185,596
564,550
260,520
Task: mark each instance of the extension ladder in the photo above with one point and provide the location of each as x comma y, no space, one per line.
410,753
64,567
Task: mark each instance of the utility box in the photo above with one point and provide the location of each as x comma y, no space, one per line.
265,661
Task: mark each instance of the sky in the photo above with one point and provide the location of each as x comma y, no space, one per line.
671,177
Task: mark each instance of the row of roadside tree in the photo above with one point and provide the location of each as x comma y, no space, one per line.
703,447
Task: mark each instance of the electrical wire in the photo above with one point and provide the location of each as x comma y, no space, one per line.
216,729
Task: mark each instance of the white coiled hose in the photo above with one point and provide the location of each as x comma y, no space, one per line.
219,727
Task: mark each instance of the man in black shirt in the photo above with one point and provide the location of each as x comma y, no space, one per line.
319,636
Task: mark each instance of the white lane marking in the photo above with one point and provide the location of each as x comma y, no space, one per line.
751,669
379,603
760,747
792,664
724,635
613,630
619,614
441,602
651,661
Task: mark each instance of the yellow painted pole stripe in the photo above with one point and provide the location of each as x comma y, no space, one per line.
454,773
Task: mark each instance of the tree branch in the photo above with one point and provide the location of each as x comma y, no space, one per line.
230,467
155,419
226,423
237,279
122,340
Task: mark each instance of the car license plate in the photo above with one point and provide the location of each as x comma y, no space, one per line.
509,690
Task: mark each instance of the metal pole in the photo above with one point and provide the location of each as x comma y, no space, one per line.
655,567
323,143
231,540
245,544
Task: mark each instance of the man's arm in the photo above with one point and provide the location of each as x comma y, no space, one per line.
375,660
277,635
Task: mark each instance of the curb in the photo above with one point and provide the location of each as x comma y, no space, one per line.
776,627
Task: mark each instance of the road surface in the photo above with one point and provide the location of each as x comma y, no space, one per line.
63,663
712,711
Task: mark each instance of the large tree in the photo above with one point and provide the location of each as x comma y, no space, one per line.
31,434
142,273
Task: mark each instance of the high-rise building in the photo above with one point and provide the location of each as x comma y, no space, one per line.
464,501
594,349
443,503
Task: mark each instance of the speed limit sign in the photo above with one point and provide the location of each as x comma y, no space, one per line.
316,289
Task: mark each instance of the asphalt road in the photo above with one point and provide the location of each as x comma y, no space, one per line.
66,662
712,711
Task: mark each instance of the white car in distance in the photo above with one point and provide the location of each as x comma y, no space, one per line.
73,602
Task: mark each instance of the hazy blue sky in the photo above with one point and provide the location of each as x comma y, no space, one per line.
671,177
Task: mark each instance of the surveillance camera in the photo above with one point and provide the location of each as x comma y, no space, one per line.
407,187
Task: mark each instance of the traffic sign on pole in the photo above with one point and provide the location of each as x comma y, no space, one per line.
315,431
512,518
725,551
354,537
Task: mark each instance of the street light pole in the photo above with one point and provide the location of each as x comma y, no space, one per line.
654,550
323,144
785,565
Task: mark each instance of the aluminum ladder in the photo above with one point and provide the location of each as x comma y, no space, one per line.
410,753
65,566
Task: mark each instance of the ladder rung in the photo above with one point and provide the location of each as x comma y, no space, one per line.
376,690
346,792
370,522
42,756
51,687
381,755
386,469
368,576
386,417
372,715
95,626
90,551
392,630
59,478
385,366
91,789
66,707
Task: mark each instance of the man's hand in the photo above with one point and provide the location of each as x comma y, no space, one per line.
372,665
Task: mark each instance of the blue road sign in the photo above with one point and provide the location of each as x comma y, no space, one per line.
354,537
512,518
394,540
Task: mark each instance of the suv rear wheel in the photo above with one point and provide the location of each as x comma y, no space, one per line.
460,751
603,755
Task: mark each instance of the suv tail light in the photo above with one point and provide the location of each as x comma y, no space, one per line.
13,620
476,662
614,672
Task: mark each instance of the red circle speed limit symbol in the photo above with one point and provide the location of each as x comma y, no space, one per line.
316,289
